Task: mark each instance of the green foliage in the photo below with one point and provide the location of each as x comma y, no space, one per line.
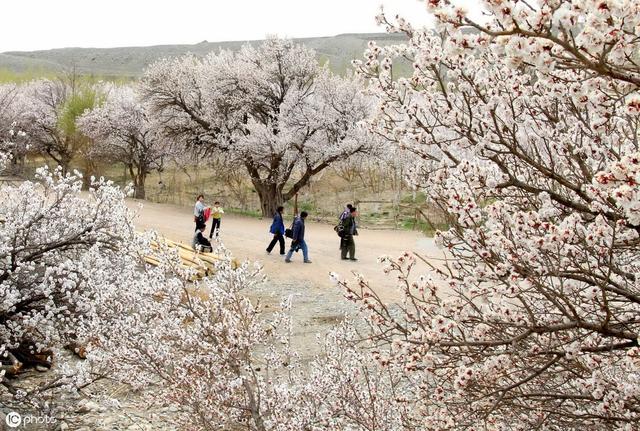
307,206
81,100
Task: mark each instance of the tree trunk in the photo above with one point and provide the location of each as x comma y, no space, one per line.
89,169
138,183
270,196
139,192
62,160
17,164
65,165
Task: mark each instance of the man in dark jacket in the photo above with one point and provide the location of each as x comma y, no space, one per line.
340,227
345,213
297,242
348,245
277,229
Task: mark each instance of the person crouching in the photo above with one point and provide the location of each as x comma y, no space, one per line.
200,243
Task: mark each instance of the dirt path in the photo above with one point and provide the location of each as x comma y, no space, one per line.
248,238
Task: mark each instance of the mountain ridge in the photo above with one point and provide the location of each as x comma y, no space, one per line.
131,61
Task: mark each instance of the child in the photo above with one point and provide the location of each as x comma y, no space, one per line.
216,215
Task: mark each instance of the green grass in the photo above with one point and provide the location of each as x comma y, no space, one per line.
9,76
248,213
420,198
424,227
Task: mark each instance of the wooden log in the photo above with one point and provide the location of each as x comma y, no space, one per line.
27,355
188,251
203,263
13,367
156,262
78,349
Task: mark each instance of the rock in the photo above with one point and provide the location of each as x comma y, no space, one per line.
107,421
63,426
82,407
89,406
170,409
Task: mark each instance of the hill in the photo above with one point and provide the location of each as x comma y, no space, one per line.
131,61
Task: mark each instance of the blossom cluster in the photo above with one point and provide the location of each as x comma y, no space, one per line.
526,126
270,108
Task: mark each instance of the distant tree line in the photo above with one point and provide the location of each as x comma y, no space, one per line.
271,110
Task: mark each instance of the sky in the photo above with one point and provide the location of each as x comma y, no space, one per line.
44,24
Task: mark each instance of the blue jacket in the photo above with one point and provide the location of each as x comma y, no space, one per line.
298,229
278,225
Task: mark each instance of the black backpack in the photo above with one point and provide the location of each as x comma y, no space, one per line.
288,232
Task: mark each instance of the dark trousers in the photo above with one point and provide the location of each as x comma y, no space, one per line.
347,245
277,237
198,220
215,227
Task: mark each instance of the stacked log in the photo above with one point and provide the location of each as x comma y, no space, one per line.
203,263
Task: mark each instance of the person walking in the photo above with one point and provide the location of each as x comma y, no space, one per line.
298,242
216,217
348,245
345,213
199,242
198,211
340,226
277,229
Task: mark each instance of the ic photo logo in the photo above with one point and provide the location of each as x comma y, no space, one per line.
13,419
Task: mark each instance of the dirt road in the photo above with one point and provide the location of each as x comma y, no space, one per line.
248,238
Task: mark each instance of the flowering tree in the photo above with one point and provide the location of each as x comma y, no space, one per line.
48,112
198,344
59,253
271,108
7,117
12,140
528,131
224,362
124,133
71,275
